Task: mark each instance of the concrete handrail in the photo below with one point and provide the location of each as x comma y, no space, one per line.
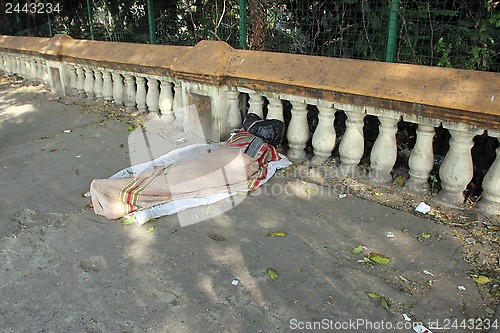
465,96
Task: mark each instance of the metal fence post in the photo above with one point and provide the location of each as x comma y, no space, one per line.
49,22
392,36
18,21
243,24
151,20
90,20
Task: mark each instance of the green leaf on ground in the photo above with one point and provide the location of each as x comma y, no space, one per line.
425,235
151,229
384,304
400,180
372,295
481,279
209,210
276,234
129,220
130,128
273,274
311,190
379,258
357,250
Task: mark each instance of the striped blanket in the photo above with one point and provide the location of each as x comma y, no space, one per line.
223,170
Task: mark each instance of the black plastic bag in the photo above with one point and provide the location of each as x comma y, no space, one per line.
269,130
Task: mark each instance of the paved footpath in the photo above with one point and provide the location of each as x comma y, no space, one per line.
64,269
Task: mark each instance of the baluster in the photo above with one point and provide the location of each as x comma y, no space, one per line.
275,109
166,100
15,65
421,160
297,132
324,136
352,146
255,104
25,67
118,88
129,92
22,69
89,83
457,168
72,79
39,71
233,118
490,202
32,70
153,95
98,84
45,71
140,97
384,151
107,86
27,70
80,81
177,104
8,64
12,64
18,66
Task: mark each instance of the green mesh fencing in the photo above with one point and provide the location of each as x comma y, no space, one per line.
448,33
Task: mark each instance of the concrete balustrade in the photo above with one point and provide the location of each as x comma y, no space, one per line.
118,88
177,105
352,146
80,81
421,159
107,85
298,132
166,100
88,85
98,84
490,202
182,83
153,95
140,95
456,171
324,137
234,118
73,79
130,96
384,151
275,108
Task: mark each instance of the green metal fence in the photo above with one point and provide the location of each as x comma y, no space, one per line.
449,33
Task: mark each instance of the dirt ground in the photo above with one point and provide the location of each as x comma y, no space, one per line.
64,269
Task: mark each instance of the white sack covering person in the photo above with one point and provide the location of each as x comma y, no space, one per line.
240,164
